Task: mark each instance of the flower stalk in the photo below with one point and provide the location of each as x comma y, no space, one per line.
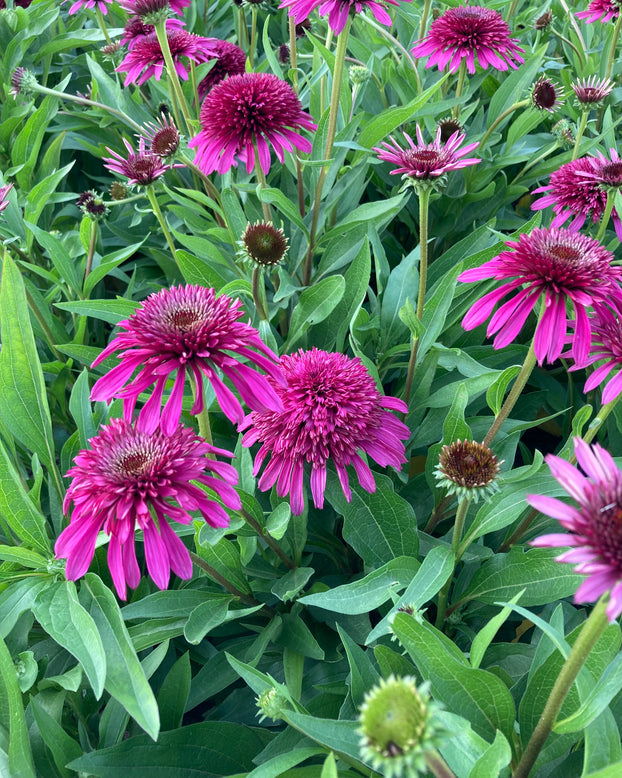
155,207
178,95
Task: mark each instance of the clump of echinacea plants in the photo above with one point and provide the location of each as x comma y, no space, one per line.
310,378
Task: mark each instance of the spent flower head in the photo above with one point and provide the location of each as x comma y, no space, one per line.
331,410
594,525
466,33
544,20
188,330
130,479
92,205
263,245
468,469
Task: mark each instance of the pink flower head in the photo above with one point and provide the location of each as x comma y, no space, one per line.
338,10
4,196
591,91
247,110
230,60
606,347
187,329
558,264
132,479
146,55
424,161
101,4
331,410
594,526
135,29
149,8
141,167
603,10
467,31
576,191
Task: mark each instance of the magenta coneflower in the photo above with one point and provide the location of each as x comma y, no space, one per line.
594,526
241,112
607,173
141,167
131,479
187,329
575,193
592,91
162,136
422,161
135,29
603,10
606,347
331,410
546,95
466,32
146,55
152,8
101,4
338,10
230,61
560,265
4,195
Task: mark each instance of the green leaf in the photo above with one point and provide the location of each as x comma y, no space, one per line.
13,720
363,674
296,636
173,693
210,749
485,636
23,398
288,585
224,557
278,521
380,526
19,512
206,617
60,614
340,736
498,388
279,764
80,407
502,577
17,598
479,695
613,771
39,195
496,757
125,678
514,86
369,592
284,205
63,747
314,305
454,426
236,218
408,315
112,311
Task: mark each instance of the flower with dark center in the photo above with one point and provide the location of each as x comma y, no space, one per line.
188,330
606,347
594,525
146,55
448,127
23,82
576,193
397,727
229,60
130,479
139,167
152,11
592,91
135,29
92,205
606,173
545,95
283,53
263,245
600,10
560,265
542,22
426,164
101,4
467,32
339,10
247,112
162,136
118,191
331,410
467,469
4,196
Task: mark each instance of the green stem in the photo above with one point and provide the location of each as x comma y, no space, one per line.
580,131
423,23
460,88
573,22
258,297
243,32
158,214
251,54
461,513
216,576
340,56
264,535
614,43
205,430
293,54
92,103
263,184
424,203
44,326
511,11
571,44
91,254
607,213
589,636
160,29
394,43
535,161
438,766
327,44
499,119
102,23
510,401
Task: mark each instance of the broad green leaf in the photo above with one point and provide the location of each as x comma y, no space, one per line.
613,771
363,674
288,585
296,636
496,757
61,259
173,693
236,219
498,388
329,768
455,428
464,748
170,604
13,720
340,736
402,284
479,695
369,592
380,526
602,742
60,614
63,747
112,311
485,636
125,678
284,205
80,407
23,398
224,557
279,764
314,305
204,618
39,195
18,598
